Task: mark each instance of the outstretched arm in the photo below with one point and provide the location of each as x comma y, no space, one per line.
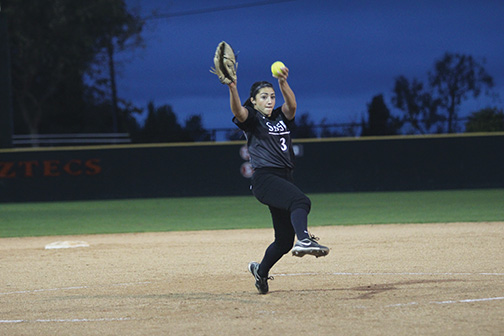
290,105
240,112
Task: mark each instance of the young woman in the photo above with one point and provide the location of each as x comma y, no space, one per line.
269,144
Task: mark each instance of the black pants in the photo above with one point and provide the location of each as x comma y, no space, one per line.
275,187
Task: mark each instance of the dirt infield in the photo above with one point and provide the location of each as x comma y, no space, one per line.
427,279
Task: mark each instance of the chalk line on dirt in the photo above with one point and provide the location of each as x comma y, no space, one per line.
74,287
387,273
69,320
447,302
118,319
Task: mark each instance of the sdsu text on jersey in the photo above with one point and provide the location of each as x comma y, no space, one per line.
268,139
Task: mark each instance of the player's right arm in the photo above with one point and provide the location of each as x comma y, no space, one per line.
240,112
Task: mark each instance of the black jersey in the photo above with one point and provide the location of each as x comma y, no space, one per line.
268,139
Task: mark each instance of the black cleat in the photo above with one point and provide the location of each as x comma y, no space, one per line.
309,246
261,282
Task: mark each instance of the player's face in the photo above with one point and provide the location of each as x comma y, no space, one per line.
264,101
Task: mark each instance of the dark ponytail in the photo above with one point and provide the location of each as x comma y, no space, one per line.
254,90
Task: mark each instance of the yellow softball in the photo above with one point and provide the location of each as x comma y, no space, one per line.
275,68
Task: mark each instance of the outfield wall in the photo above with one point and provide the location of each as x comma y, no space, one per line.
220,169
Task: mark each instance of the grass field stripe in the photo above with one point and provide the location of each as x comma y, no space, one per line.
121,216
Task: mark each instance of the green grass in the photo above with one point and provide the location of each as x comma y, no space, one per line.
408,207
216,213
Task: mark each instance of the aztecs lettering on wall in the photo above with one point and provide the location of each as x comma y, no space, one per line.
49,168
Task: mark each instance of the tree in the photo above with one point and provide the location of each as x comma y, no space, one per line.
380,121
326,130
419,106
304,127
455,77
161,125
123,34
194,129
54,46
486,120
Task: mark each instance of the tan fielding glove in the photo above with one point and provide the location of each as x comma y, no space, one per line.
225,63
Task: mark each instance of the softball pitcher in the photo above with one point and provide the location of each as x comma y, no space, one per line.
267,130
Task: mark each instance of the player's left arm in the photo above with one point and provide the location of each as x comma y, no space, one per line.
290,105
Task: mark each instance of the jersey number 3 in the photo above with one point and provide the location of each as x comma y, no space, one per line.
283,146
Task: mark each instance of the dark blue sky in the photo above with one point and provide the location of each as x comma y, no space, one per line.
340,53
